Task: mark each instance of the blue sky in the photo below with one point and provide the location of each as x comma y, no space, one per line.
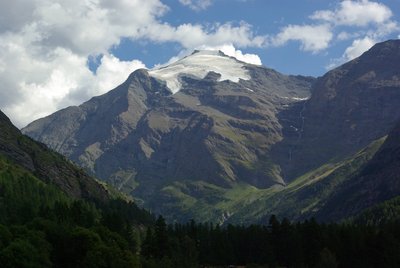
266,18
56,53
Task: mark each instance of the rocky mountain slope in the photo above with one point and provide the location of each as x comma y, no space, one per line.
212,138
143,138
350,107
47,165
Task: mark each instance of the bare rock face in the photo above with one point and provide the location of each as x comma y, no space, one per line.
47,165
350,107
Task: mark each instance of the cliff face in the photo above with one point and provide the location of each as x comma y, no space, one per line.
350,107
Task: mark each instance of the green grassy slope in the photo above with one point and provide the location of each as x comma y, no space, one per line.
243,203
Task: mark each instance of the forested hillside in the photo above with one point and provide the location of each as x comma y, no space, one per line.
44,225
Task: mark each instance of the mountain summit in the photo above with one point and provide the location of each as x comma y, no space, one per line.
177,134
198,65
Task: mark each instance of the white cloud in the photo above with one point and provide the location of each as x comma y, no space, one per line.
363,17
196,5
231,51
358,18
39,87
383,30
366,18
85,27
113,72
342,36
313,38
194,35
355,13
43,54
358,47
36,86
45,45
354,19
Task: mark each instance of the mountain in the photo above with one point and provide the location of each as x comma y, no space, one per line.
212,138
43,225
350,107
174,132
52,214
378,181
50,167
328,154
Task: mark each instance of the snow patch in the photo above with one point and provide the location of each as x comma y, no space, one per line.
294,98
300,99
199,64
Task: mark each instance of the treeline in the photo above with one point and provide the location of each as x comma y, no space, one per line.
62,238
42,227
51,243
280,244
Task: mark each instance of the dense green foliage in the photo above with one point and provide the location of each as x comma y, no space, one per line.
40,226
280,244
387,212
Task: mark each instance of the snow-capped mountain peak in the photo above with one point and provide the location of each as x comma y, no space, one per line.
199,64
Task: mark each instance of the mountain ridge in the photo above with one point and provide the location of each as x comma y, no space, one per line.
50,167
202,149
345,106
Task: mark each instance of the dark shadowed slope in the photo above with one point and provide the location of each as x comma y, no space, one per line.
47,165
378,181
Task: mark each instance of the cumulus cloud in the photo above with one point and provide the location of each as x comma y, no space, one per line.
112,71
358,18
313,38
230,50
358,47
196,5
238,54
343,36
372,20
193,35
38,86
85,27
355,13
45,46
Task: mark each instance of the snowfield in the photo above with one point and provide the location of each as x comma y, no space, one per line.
199,64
